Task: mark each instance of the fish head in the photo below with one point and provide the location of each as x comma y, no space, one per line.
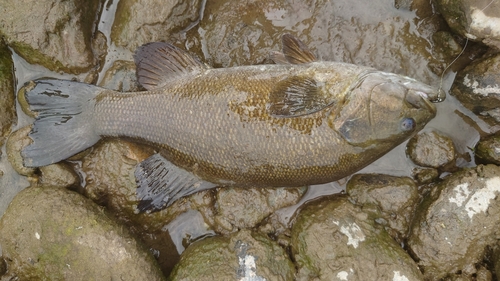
384,107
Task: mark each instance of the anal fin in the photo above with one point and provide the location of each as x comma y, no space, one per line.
161,183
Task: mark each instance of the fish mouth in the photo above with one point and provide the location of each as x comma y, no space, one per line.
424,101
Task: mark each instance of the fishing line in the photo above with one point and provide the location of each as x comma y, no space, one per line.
441,93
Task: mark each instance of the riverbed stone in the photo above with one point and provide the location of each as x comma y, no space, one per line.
235,33
56,234
244,255
54,33
121,77
456,223
15,143
239,208
431,149
477,88
392,200
138,22
7,92
487,150
475,19
333,239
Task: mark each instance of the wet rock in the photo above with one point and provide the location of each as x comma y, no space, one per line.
234,33
475,19
58,175
245,32
110,181
53,233
425,175
456,223
392,200
16,142
477,88
121,77
142,21
431,149
484,274
56,34
333,239
244,255
487,150
447,44
7,92
3,266
239,208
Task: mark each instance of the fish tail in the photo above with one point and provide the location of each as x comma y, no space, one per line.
63,120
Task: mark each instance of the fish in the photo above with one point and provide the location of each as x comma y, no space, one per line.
298,122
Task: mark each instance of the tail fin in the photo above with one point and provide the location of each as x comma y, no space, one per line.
63,124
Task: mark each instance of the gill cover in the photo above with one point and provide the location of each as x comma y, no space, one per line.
383,106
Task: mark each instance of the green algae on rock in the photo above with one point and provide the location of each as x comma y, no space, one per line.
456,223
141,21
244,255
431,149
392,200
487,150
333,239
477,88
7,92
56,234
61,41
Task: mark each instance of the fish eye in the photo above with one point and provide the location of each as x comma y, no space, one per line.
408,124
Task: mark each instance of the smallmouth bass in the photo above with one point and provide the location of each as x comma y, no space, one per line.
298,122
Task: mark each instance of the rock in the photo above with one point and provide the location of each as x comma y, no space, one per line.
54,33
476,87
487,150
58,175
239,208
245,32
456,223
138,22
56,234
392,200
447,45
7,92
3,266
121,77
431,149
16,142
244,255
333,239
425,175
110,181
477,20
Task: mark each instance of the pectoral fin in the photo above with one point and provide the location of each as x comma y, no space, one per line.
161,183
296,96
158,62
295,51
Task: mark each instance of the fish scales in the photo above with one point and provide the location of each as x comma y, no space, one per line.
217,124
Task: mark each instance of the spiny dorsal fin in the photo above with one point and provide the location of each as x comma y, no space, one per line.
295,51
296,96
278,58
159,62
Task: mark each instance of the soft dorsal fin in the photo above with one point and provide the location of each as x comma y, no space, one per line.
295,51
159,62
297,96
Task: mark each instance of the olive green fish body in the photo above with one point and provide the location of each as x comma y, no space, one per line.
299,122
217,125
